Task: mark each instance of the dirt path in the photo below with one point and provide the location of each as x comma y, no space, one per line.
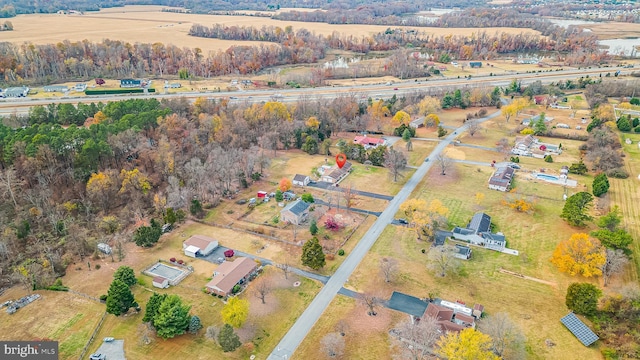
624,193
528,277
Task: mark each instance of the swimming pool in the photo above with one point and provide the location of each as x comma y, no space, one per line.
547,177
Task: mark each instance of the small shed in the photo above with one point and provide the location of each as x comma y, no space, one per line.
262,194
301,180
191,251
475,64
160,282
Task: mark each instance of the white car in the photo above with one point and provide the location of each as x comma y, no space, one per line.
97,356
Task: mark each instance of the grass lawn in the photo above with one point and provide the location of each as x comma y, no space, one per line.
61,316
366,337
536,307
421,149
376,179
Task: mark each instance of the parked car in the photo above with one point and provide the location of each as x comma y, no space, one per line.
514,166
166,228
97,356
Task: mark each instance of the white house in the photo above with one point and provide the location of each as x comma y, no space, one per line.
160,282
301,180
478,232
199,245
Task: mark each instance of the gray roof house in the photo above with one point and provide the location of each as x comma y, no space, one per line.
295,213
56,88
501,178
478,232
301,180
21,91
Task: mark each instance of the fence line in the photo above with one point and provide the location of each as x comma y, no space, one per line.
95,332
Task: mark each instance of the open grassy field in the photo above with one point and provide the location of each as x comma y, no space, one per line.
366,337
267,322
147,24
421,149
61,316
536,307
626,194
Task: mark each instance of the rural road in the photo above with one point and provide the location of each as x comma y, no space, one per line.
293,338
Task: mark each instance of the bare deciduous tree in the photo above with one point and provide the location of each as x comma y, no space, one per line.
10,183
420,337
261,289
442,260
615,262
472,126
348,195
333,345
342,327
503,147
286,269
210,333
371,301
507,340
388,267
443,162
396,162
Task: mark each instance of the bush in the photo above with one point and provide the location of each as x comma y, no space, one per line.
98,266
482,112
308,198
637,129
618,173
141,281
341,252
423,251
103,297
172,260
548,159
236,289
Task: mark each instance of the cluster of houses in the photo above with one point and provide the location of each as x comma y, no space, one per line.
14,92
530,146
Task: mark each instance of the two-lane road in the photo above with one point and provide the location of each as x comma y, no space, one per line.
305,322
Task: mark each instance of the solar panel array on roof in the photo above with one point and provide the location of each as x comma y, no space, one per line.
579,329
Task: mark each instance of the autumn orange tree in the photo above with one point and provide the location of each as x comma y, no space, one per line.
285,184
579,255
520,204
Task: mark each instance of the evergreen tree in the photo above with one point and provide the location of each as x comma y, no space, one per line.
575,209
313,228
582,298
441,131
172,318
194,324
580,168
279,196
600,185
152,307
539,127
170,217
406,136
228,339
119,298
624,124
310,145
312,254
195,208
126,275
147,236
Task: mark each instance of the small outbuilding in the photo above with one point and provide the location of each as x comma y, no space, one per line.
199,245
301,180
160,282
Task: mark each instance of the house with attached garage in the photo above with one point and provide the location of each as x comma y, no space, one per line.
334,174
231,273
296,212
478,232
199,245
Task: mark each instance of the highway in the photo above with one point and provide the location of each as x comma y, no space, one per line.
20,106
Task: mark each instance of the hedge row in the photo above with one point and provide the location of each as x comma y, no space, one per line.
117,91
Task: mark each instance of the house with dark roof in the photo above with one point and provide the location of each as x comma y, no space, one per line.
295,213
530,146
478,232
462,252
501,178
301,180
231,273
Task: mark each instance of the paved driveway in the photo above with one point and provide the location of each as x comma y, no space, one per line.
112,350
